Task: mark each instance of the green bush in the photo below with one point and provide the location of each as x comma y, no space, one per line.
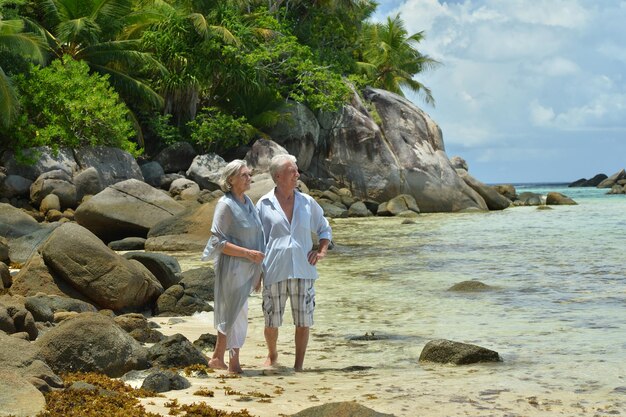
65,106
214,131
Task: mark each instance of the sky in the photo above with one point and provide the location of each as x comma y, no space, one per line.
527,90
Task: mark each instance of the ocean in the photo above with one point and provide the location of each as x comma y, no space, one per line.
556,313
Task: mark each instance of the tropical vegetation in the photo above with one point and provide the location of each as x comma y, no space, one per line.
141,74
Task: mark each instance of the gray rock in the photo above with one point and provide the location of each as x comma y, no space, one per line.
447,351
45,160
206,343
402,203
205,171
340,409
113,165
184,189
298,132
458,163
358,209
529,199
493,199
165,380
50,202
6,321
56,182
332,211
507,190
34,277
23,358
128,208
188,231
259,156
152,173
4,250
6,280
24,322
108,279
557,199
405,155
175,351
470,286
176,157
91,342
612,180
128,243
43,306
87,182
15,222
15,186
139,328
18,397
165,268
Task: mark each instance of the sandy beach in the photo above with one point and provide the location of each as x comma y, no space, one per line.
333,374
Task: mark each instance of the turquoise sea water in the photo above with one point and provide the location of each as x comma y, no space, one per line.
557,314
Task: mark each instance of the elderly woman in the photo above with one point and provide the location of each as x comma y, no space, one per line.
236,246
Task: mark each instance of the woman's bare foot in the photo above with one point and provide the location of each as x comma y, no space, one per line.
216,363
235,370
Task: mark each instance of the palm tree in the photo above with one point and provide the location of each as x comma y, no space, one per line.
391,59
15,39
90,30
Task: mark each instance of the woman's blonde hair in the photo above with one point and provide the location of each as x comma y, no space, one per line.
229,171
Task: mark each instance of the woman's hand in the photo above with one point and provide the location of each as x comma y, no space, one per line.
254,256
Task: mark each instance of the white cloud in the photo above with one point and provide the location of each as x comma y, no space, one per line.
523,73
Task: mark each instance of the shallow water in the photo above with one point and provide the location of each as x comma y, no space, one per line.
556,315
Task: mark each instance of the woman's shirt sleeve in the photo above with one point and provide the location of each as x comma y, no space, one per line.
222,223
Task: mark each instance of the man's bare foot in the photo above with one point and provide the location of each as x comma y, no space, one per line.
216,363
271,360
298,369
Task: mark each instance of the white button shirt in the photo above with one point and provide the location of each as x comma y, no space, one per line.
287,245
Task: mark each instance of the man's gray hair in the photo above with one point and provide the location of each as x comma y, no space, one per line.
278,161
229,171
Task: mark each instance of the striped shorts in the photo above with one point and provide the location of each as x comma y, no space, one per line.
301,294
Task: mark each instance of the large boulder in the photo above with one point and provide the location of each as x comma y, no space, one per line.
23,357
15,222
23,247
128,208
43,306
259,156
205,171
18,397
56,182
188,230
404,155
192,294
165,268
493,199
448,351
15,186
45,159
113,165
111,281
91,342
87,182
613,179
297,131
175,351
176,157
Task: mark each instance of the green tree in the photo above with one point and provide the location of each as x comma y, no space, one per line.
84,110
90,31
15,40
391,59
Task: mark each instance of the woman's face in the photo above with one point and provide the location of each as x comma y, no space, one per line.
240,182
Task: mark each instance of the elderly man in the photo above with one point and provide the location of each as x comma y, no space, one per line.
288,218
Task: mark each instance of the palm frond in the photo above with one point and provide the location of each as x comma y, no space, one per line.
9,103
130,87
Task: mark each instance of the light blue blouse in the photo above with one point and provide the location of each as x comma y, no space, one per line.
287,245
238,224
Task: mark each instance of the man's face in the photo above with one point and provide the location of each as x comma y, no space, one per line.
287,177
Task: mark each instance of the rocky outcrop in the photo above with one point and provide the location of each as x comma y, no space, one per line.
457,353
175,351
128,208
493,199
18,397
613,179
75,255
165,268
91,342
593,182
404,155
15,222
556,199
